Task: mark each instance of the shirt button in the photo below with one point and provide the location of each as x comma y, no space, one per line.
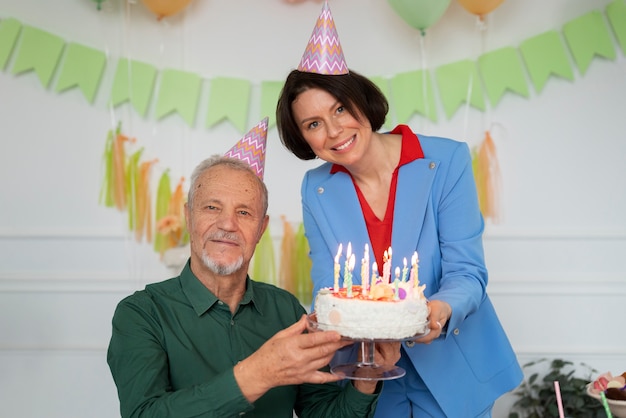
232,322
320,190
456,331
219,302
410,344
431,165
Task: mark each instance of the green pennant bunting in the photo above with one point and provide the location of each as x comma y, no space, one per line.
616,12
588,36
133,81
456,82
544,55
383,85
82,67
229,98
413,92
9,31
179,91
502,70
270,91
39,51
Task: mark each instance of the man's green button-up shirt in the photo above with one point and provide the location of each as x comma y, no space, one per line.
174,346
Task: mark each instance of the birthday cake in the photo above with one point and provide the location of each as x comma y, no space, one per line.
385,309
365,317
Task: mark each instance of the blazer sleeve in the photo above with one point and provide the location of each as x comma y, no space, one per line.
460,227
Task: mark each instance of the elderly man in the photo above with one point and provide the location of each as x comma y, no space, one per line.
212,342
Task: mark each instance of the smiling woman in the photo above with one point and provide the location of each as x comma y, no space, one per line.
415,193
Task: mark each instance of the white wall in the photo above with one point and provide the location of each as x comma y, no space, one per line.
555,258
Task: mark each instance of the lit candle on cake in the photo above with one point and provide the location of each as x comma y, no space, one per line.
365,269
387,266
396,282
348,274
374,274
404,270
347,277
336,285
414,277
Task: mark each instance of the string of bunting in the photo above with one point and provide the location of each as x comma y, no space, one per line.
178,92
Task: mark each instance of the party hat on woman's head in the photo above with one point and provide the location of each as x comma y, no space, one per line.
251,148
323,53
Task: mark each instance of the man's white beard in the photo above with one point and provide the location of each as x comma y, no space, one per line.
222,269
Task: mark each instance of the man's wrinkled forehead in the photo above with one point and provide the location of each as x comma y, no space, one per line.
222,179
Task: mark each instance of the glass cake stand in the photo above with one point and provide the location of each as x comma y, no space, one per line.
366,368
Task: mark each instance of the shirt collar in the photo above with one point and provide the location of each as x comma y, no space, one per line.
202,299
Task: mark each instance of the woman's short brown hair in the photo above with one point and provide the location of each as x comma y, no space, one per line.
357,94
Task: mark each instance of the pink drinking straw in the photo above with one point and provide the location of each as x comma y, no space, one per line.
559,402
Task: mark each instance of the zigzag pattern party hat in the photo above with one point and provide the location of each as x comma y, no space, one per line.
251,148
323,53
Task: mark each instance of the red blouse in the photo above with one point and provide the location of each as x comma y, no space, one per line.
380,230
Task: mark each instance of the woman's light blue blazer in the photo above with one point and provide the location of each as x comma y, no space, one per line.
437,214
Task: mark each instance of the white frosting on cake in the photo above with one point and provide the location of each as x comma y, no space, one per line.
362,317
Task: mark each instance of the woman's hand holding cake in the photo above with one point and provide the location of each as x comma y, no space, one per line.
440,312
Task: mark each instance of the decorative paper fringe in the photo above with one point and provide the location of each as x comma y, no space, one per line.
286,273
171,225
176,209
119,179
116,184
132,180
106,189
302,268
143,216
164,193
487,175
262,267
126,186
295,264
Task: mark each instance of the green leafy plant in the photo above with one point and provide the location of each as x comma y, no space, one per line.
537,397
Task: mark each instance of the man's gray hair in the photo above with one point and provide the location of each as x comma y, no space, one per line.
235,164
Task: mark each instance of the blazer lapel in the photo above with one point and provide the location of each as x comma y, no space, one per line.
415,182
340,205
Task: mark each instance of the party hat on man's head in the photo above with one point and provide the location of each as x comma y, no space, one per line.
323,53
251,148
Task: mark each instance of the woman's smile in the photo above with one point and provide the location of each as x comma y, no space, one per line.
345,145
